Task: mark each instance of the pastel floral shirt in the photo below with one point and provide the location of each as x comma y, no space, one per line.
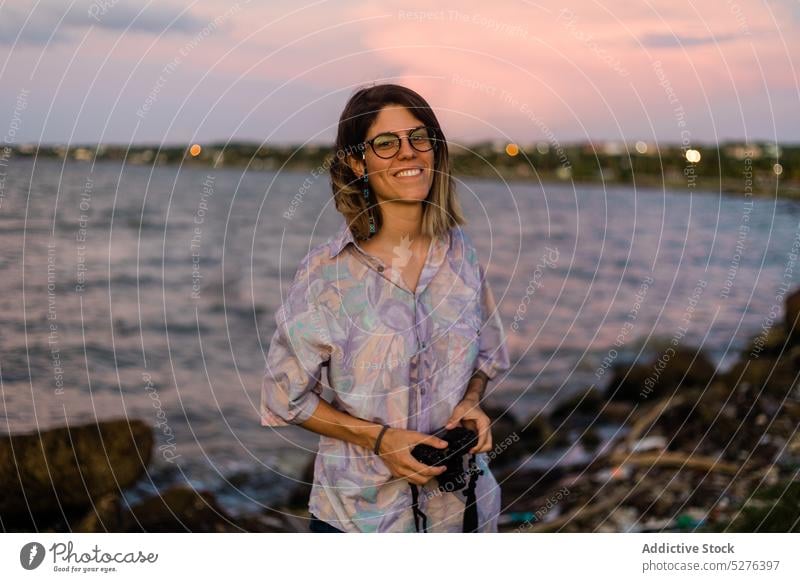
392,356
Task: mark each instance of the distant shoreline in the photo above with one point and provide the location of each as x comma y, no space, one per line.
736,169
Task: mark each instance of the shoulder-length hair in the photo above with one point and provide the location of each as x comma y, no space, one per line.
441,210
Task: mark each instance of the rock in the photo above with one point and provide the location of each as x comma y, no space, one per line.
527,490
504,424
104,517
534,434
301,491
586,403
275,522
775,376
66,468
790,457
590,439
179,509
617,412
766,345
792,315
705,424
626,382
685,367
774,508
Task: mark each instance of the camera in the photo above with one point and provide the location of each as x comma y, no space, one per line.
459,440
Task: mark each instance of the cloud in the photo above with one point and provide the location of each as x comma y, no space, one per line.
792,7
50,21
676,41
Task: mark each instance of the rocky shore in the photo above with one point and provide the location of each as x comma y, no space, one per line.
670,445
71,479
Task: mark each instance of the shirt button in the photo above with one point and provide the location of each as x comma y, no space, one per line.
380,268
422,390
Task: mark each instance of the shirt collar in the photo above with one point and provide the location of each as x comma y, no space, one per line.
341,239
344,237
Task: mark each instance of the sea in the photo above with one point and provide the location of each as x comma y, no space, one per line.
150,292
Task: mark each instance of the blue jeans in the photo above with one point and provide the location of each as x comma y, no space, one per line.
318,526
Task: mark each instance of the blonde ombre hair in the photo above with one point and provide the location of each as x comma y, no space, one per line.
441,210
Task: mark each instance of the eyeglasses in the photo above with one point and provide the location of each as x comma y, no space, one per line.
386,145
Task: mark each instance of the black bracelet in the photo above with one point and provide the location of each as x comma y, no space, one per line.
378,440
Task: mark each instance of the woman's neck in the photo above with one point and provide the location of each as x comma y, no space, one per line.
401,221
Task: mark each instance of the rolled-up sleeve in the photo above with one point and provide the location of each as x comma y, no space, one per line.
291,387
493,358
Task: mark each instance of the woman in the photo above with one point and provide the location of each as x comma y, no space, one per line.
397,307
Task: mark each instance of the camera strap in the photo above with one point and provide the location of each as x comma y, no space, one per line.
471,508
418,514
470,523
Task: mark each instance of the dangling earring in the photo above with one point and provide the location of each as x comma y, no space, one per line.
366,195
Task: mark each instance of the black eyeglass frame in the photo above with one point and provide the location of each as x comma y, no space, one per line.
432,136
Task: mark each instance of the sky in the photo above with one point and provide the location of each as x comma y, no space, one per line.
280,72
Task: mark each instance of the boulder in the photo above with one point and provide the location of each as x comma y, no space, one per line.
179,509
103,517
504,424
62,470
301,490
766,344
792,315
772,508
775,376
662,376
536,434
585,404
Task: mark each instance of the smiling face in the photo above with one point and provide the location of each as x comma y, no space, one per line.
409,174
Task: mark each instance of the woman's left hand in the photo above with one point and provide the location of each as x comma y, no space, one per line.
469,414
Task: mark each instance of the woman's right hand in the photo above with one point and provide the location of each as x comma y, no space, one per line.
395,452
